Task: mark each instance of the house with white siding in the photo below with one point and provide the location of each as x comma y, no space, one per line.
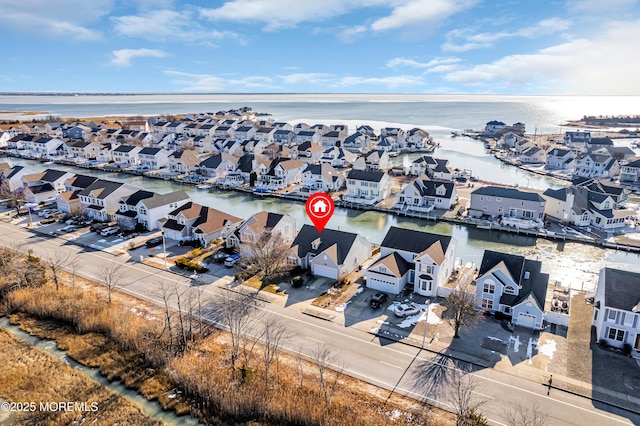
154,158
497,201
560,159
100,200
630,172
422,260
148,209
596,165
126,155
193,221
252,229
372,161
424,195
321,177
367,187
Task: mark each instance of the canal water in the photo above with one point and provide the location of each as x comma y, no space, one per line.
572,264
150,408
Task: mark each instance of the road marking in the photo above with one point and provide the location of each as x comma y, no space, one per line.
315,340
392,365
483,395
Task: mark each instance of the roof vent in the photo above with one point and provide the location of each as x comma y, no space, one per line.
526,275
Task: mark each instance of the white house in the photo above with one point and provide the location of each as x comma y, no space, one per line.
560,159
512,285
367,187
148,208
374,160
126,155
154,158
427,262
630,172
423,195
533,155
616,313
596,165
184,161
357,142
252,229
322,177
45,147
193,221
338,157
493,127
332,254
100,200
82,149
281,174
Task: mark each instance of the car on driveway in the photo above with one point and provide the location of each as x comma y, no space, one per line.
155,241
220,256
378,299
231,260
405,309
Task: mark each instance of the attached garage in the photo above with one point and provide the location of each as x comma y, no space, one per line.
388,284
526,320
324,271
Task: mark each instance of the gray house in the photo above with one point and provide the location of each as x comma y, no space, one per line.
497,201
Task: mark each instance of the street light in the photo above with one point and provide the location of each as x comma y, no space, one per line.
164,249
426,321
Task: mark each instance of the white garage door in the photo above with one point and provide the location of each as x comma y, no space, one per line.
526,320
385,286
324,271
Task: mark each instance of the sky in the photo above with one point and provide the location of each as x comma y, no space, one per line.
545,47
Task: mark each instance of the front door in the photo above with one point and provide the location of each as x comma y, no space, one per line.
638,342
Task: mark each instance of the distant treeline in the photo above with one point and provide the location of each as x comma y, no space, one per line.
608,120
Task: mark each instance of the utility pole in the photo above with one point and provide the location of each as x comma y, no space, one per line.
164,249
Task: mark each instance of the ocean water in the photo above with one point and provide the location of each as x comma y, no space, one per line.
438,114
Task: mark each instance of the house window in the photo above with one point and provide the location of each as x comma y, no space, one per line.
612,316
527,213
628,319
487,303
616,334
507,310
509,290
489,288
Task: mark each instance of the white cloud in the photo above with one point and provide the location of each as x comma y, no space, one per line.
277,14
599,7
485,40
166,25
210,83
123,57
391,82
348,35
307,78
600,66
61,18
403,62
418,12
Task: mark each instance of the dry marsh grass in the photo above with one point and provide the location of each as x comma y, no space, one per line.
29,374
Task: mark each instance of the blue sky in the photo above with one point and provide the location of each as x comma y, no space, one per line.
330,46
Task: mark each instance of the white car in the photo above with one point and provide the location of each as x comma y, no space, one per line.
405,309
109,231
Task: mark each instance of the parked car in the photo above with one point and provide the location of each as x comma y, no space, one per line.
155,241
97,227
405,309
231,260
112,230
68,228
47,220
42,212
220,256
378,299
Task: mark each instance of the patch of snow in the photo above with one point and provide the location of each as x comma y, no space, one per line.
433,317
382,322
374,330
171,396
102,240
548,348
516,343
530,349
343,306
360,290
410,321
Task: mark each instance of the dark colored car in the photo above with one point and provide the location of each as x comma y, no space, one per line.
220,256
156,241
378,299
97,227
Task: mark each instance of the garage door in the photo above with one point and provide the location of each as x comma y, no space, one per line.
526,320
324,271
385,286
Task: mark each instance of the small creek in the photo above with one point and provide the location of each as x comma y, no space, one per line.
150,408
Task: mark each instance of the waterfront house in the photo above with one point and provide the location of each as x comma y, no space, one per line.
422,164
56,178
154,158
309,152
148,209
372,161
332,138
513,285
244,133
577,139
252,229
424,195
321,177
417,139
265,134
596,165
4,138
420,259
367,187
367,130
217,166
68,200
630,172
282,173
126,155
389,144
184,161
497,201
82,149
332,254
338,157
44,147
307,136
493,127
442,171
560,159
616,313
100,200
283,137
193,221
533,155
12,178
357,142
395,133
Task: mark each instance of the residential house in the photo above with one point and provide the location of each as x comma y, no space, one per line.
577,139
321,177
630,172
424,195
148,209
193,221
513,285
367,187
367,130
307,136
44,147
265,134
616,313
184,161
308,152
395,133
126,155
41,186
100,200
357,142
560,159
251,230
154,158
68,200
493,127
332,254
338,157
533,155
244,133
217,166
417,139
82,149
422,164
388,144
596,165
283,137
421,259
282,173
332,138
373,161
509,203
12,178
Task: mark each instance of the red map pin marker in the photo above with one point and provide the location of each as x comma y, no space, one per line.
320,208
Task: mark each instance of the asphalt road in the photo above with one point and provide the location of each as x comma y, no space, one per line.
394,366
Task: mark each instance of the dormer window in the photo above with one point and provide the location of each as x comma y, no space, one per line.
509,290
315,244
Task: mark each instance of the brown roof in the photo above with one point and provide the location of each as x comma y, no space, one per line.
435,252
394,263
212,220
291,164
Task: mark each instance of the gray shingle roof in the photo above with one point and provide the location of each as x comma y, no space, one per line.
622,289
413,241
499,191
308,234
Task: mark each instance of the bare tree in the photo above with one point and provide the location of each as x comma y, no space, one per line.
267,255
56,264
234,312
15,198
275,335
30,272
111,275
522,414
461,309
329,370
462,393
9,257
165,293
300,362
74,265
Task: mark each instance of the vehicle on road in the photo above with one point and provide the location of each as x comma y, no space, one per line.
405,309
231,260
68,228
153,242
378,299
98,227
